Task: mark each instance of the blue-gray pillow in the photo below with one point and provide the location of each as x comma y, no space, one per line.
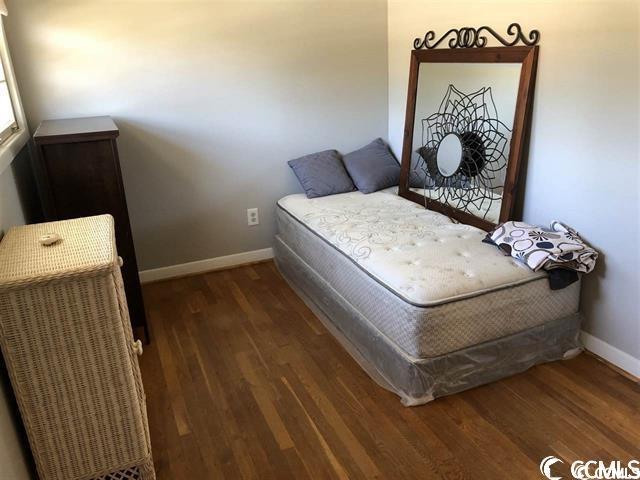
322,174
372,167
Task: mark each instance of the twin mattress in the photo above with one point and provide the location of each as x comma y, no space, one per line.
427,285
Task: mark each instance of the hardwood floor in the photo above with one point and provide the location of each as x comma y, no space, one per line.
243,381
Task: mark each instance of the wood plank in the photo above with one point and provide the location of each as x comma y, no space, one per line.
243,381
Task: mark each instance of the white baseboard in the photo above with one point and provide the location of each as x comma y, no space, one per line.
206,265
611,354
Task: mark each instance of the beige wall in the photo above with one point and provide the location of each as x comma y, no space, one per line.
212,99
584,158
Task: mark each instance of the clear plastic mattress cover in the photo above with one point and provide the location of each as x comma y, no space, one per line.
418,381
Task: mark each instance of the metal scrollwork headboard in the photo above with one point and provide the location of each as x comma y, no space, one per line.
470,37
464,147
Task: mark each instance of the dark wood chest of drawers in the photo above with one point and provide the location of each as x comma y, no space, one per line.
78,176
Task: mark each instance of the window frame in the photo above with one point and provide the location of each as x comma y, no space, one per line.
18,135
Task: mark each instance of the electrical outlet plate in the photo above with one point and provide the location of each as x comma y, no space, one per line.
252,216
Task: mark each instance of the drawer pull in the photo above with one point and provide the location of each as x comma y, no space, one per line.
137,347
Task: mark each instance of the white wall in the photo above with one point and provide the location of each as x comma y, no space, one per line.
212,98
584,156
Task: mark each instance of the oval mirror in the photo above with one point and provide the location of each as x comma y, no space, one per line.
449,155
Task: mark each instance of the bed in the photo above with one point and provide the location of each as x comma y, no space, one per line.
419,301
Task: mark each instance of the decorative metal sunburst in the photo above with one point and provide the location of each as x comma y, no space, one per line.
462,160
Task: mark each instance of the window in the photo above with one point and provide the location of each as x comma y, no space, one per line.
8,124
14,133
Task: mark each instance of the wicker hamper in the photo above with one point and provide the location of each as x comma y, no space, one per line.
69,349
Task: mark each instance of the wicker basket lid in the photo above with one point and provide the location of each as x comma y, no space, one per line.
57,250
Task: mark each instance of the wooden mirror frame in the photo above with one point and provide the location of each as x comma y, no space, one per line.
527,56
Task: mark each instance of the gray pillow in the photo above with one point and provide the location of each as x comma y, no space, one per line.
322,174
372,167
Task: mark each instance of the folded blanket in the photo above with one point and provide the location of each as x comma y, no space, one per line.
541,248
